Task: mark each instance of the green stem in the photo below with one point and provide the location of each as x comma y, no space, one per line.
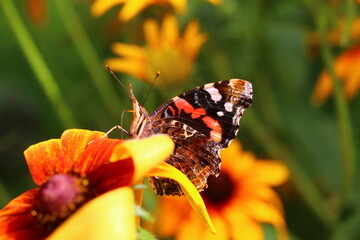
342,114
93,64
300,179
349,18
38,65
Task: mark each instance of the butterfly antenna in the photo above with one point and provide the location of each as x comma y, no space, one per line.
151,87
117,79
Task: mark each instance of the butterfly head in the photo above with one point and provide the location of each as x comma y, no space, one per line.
140,116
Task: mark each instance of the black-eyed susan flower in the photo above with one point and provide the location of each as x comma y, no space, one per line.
84,187
131,8
346,67
165,51
239,200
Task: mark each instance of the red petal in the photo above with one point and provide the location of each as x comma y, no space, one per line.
96,154
113,175
16,221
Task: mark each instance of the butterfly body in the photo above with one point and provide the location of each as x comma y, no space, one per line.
201,122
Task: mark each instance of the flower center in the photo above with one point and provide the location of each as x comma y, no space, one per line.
220,189
60,196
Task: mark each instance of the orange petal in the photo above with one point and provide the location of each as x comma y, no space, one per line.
44,159
36,10
109,216
76,151
146,153
169,219
16,221
242,226
193,196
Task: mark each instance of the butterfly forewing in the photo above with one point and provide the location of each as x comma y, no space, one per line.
201,122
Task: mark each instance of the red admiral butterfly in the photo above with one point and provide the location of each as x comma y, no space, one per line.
201,122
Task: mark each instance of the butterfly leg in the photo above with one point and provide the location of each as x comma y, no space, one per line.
116,127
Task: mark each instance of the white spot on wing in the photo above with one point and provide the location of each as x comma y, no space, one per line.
220,113
214,93
228,106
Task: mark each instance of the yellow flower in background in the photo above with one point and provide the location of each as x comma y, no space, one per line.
346,67
165,51
133,7
239,200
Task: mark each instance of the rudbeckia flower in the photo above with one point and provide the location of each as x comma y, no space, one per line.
131,8
239,200
165,51
84,187
346,67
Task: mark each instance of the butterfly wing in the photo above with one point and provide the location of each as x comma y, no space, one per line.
201,122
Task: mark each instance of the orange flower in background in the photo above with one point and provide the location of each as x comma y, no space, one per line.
239,200
83,187
334,35
36,11
131,8
346,67
166,51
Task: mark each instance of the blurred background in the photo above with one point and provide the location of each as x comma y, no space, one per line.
52,77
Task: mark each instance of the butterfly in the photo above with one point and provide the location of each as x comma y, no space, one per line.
201,122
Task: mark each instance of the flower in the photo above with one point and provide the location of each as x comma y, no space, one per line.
335,35
346,67
165,51
36,11
83,184
238,201
131,8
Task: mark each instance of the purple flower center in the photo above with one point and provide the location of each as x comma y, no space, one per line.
60,196
220,189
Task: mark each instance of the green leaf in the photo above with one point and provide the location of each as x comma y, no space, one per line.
143,234
143,213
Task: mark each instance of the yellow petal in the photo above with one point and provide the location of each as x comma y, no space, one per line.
109,216
146,153
151,33
129,50
179,5
99,7
271,173
167,171
129,66
132,8
170,30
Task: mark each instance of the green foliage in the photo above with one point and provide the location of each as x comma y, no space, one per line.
265,42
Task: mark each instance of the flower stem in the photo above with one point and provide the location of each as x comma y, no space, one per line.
87,54
349,18
342,112
38,65
341,107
